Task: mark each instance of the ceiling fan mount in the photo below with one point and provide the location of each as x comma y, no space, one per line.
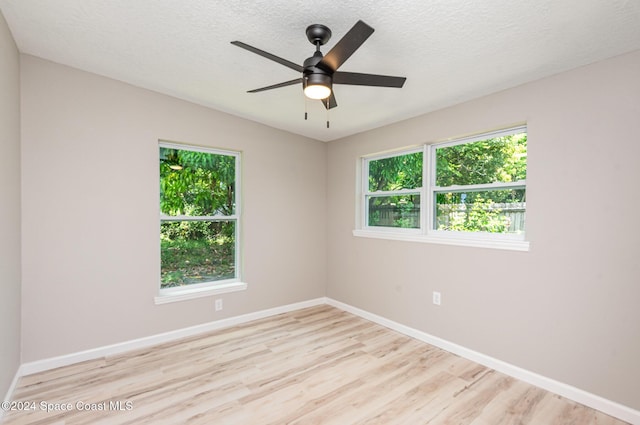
318,34
320,72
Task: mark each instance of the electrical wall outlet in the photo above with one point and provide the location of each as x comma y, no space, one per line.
436,298
219,304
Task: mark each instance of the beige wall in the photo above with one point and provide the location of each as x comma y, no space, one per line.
9,208
568,308
90,211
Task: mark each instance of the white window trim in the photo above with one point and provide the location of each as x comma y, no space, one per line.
427,234
457,240
180,294
206,289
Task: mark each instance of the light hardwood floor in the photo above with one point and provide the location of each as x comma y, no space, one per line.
314,366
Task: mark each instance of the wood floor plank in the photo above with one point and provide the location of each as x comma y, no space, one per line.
318,365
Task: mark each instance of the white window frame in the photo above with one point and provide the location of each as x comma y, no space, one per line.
427,233
203,289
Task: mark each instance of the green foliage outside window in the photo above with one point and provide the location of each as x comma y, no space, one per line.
390,174
395,211
396,172
457,208
196,185
501,159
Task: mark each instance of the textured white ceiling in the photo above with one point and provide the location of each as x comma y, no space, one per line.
449,50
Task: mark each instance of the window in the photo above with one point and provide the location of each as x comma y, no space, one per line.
199,213
479,183
392,196
475,189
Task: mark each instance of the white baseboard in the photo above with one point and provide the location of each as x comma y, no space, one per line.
588,399
95,353
609,407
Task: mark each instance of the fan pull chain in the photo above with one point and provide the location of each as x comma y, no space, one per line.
327,112
305,106
305,99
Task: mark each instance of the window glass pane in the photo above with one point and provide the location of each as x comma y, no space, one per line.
494,211
395,173
196,183
501,159
196,252
395,211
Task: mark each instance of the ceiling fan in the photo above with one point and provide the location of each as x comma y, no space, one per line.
320,72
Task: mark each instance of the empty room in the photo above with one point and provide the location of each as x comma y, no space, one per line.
284,212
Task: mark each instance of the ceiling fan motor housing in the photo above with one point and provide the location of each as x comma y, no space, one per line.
319,79
314,75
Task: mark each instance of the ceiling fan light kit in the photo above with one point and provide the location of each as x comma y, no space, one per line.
320,72
317,86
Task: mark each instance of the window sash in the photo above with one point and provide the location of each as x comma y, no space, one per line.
212,283
165,217
520,184
368,194
400,192
384,194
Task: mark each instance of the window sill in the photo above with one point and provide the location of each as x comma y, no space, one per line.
189,294
508,244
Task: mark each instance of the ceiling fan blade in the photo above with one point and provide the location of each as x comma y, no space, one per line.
264,54
332,101
358,79
345,47
277,86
